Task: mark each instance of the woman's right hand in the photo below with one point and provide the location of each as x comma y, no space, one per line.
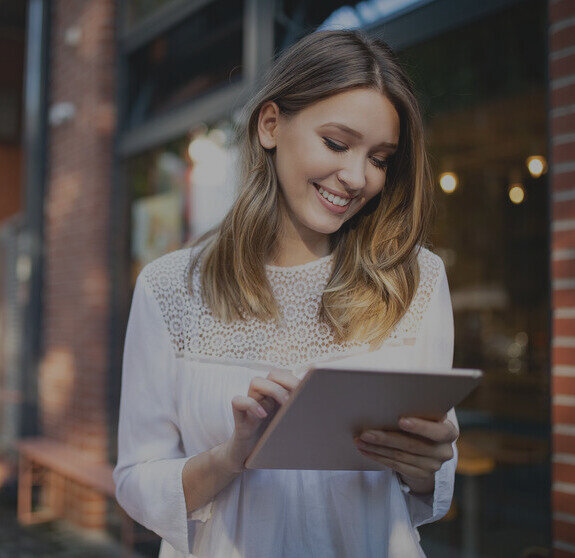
264,396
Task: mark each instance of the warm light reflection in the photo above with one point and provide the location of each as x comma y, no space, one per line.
522,338
202,150
218,136
210,161
212,178
516,193
514,365
537,165
448,182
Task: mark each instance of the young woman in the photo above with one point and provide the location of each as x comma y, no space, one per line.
320,258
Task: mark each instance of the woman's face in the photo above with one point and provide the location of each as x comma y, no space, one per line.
331,158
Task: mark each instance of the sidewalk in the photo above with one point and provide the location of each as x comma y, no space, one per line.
53,540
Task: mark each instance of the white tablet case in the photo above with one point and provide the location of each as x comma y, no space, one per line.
316,427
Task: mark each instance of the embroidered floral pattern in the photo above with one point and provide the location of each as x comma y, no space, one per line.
300,338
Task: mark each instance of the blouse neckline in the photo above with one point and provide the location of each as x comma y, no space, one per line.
300,267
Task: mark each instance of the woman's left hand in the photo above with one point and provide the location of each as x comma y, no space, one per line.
416,452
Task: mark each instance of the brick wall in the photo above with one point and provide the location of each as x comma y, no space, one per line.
10,180
562,120
73,368
12,48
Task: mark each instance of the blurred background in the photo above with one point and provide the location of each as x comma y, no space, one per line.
117,146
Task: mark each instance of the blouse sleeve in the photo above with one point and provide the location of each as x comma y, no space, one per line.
437,339
148,473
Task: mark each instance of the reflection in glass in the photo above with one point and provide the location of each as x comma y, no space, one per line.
448,182
180,190
197,56
485,114
537,165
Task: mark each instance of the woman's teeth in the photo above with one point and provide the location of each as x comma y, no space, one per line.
336,200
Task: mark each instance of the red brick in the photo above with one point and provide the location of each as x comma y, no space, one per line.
564,385
563,502
562,38
563,95
563,472
560,299
563,414
564,268
562,9
564,152
562,239
563,356
76,312
564,531
564,124
561,67
564,209
563,443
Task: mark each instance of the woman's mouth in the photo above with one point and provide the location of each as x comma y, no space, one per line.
332,202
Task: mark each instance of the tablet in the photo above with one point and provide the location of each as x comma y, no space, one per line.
315,428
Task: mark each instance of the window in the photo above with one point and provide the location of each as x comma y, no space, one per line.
200,54
180,190
482,87
137,10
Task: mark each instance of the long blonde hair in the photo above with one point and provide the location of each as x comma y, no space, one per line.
375,272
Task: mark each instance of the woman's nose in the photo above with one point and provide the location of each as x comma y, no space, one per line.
352,175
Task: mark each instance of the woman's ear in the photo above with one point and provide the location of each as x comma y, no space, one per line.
268,121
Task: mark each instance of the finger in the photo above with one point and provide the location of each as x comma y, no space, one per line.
403,468
244,404
410,443
443,432
284,378
425,463
269,404
262,387
400,440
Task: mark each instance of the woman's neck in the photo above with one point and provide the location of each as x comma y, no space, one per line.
295,247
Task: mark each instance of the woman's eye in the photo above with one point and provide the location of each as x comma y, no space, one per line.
380,163
334,146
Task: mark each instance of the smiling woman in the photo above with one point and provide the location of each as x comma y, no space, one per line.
321,257
332,110
342,171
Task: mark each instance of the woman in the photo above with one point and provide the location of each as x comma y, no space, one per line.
320,258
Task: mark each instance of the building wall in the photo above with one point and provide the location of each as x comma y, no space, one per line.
562,132
73,367
12,48
10,180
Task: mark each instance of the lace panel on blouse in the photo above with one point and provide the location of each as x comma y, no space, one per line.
301,338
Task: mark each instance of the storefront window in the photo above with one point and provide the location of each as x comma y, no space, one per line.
137,10
180,190
197,56
482,88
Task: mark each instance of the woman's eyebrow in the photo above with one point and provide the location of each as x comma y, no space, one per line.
357,134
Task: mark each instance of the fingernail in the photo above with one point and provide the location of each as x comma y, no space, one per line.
406,423
261,412
368,437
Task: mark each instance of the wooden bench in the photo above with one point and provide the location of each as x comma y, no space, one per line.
49,464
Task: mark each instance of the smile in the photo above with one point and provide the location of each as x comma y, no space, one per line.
334,204
335,200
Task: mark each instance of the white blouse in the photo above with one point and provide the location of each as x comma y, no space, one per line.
181,369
